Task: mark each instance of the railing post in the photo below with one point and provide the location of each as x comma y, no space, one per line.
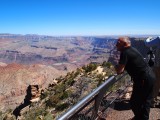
98,100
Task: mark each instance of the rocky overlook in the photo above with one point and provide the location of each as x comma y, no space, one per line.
38,60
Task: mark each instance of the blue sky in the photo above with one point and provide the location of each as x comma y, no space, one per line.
80,17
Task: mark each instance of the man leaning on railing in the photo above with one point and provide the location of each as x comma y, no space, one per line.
142,75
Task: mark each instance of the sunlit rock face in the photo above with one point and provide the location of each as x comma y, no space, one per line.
15,78
33,49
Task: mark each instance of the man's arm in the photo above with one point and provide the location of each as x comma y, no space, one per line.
119,68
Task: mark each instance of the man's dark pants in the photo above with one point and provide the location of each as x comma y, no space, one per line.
142,94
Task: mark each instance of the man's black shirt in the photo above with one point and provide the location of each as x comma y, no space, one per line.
133,61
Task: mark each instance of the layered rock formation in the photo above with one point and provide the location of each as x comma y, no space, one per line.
15,78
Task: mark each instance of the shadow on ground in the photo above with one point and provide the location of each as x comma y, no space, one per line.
17,111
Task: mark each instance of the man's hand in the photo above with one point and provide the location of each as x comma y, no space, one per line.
119,68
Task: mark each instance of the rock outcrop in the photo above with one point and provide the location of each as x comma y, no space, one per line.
15,79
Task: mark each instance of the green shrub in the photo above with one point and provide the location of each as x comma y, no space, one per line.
60,88
64,95
70,82
62,106
35,113
107,64
44,95
90,67
48,116
53,100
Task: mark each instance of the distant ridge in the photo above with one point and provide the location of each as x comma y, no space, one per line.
118,35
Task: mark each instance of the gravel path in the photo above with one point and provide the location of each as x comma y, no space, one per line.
127,114
122,111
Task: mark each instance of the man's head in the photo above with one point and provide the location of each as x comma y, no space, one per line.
122,43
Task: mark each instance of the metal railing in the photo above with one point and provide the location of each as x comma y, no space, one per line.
96,96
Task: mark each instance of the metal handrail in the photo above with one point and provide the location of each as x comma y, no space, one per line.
96,95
